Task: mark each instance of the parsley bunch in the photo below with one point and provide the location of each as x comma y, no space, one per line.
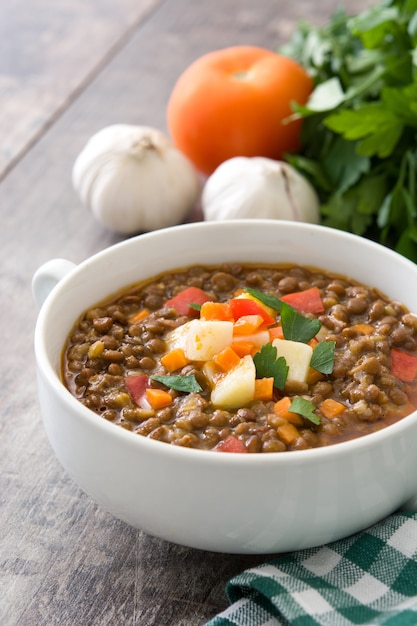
359,137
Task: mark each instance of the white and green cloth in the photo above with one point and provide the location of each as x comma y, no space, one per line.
369,578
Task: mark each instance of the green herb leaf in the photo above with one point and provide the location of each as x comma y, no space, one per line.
265,298
322,359
196,307
379,127
296,327
305,408
360,124
327,95
344,165
268,365
179,383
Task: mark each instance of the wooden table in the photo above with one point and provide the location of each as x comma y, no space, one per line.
68,69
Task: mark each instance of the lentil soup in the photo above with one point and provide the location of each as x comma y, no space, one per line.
246,359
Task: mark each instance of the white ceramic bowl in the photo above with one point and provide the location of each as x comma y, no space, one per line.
265,503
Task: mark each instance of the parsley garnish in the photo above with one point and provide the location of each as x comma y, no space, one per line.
268,366
305,408
322,358
359,129
179,383
296,327
265,298
196,307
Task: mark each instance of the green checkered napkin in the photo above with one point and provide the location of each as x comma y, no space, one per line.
369,578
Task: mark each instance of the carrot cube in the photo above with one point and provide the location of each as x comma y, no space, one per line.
282,409
216,311
242,348
227,359
174,360
288,433
158,398
264,388
139,316
247,324
331,408
276,333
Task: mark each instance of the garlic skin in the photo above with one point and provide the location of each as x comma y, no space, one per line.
249,187
133,179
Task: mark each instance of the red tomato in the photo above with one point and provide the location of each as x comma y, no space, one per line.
243,306
231,444
307,301
137,385
181,302
233,102
403,365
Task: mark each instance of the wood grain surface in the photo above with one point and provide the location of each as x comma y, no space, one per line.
67,69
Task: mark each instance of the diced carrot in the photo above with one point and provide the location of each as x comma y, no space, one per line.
139,316
307,301
281,407
158,398
247,324
295,418
216,311
276,333
403,365
174,360
242,348
288,433
227,359
313,342
364,329
313,376
331,408
264,388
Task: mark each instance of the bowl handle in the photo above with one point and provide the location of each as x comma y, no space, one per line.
48,276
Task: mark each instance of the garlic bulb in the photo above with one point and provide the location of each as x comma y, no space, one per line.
247,187
133,179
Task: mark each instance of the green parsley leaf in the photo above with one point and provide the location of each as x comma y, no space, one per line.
296,327
196,307
305,408
344,165
268,365
326,96
322,359
360,123
378,127
265,298
179,383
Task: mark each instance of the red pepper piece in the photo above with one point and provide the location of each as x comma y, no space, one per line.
403,365
307,301
231,444
181,302
136,385
243,306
